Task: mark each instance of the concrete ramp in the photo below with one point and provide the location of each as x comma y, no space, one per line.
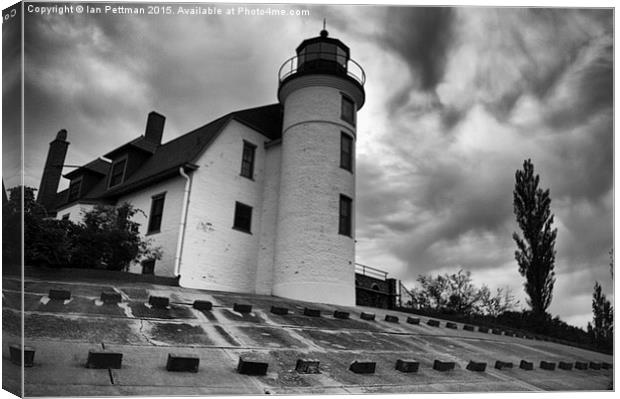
266,330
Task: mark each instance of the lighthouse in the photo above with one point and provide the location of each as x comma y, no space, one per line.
320,89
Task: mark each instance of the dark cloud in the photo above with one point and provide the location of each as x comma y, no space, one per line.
422,37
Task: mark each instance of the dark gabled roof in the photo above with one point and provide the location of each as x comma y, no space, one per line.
267,120
139,143
98,166
167,158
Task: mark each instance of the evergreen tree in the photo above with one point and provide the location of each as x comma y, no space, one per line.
536,249
603,319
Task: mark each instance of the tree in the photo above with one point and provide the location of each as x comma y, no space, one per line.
452,293
495,305
602,328
110,239
463,295
21,206
536,250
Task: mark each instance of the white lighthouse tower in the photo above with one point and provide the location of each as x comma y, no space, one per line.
321,90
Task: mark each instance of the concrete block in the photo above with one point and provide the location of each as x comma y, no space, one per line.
433,323
252,366
496,331
111,297
565,366
595,365
242,308
467,327
413,320
60,295
443,366
307,366
279,310
503,365
312,312
104,359
451,325
525,365
483,330
363,367
15,352
581,365
407,366
476,366
606,366
202,305
547,365
367,316
178,362
159,302
340,314
391,319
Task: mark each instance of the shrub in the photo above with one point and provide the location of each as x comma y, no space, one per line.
108,238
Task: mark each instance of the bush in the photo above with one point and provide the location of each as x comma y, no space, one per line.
108,238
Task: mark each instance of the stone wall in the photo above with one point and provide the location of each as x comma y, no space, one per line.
375,292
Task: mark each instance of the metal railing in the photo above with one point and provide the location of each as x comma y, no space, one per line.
322,62
370,271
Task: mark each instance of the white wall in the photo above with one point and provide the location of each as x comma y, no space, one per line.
216,256
169,231
313,261
75,211
269,218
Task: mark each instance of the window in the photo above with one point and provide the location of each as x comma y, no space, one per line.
243,217
74,189
247,160
348,110
157,211
148,267
118,172
344,227
346,152
66,216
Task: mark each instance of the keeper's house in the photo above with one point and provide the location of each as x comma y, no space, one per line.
259,201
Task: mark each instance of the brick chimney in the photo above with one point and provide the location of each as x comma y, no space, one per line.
154,127
52,171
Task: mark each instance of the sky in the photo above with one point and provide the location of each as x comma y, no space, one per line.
456,100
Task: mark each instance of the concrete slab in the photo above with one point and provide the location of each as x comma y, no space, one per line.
85,329
175,333
58,365
147,368
144,310
269,337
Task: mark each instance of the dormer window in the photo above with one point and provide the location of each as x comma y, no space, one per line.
117,173
74,190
